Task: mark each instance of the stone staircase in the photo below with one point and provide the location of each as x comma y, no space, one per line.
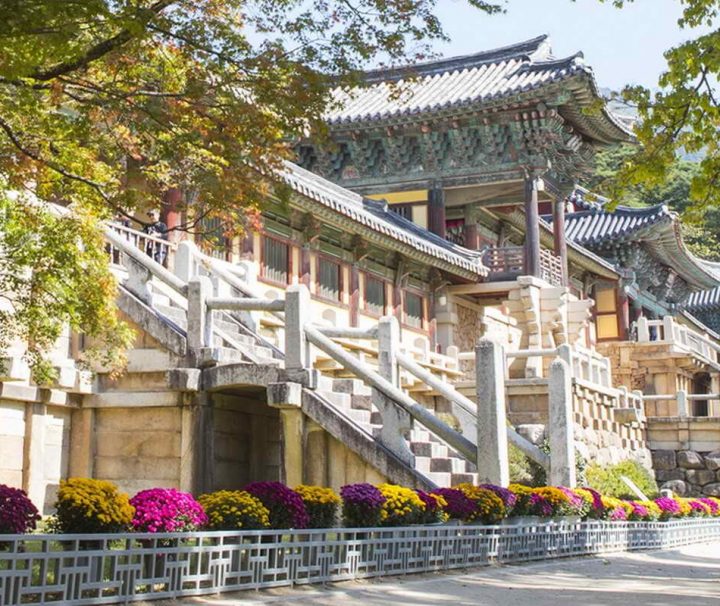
235,343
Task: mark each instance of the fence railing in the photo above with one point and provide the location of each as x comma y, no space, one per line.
508,262
76,570
158,249
669,331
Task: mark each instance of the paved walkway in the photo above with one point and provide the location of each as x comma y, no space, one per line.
690,575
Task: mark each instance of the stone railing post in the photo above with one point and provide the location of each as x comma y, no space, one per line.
643,331
562,442
184,267
396,422
492,447
297,312
683,410
668,329
138,279
199,317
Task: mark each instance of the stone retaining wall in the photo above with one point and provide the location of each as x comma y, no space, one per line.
688,472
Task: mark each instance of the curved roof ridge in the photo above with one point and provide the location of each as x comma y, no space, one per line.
575,60
520,50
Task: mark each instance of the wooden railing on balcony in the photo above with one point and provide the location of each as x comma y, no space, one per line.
504,262
507,262
551,268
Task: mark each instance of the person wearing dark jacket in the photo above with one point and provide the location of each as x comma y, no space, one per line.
157,229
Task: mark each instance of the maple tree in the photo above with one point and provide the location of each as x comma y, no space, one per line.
106,105
682,116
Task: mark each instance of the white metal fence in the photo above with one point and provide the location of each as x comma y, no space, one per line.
95,569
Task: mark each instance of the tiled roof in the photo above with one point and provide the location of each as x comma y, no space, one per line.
704,300
657,226
375,215
595,226
460,82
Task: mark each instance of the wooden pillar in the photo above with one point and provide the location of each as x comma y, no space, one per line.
560,244
354,294
170,213
305,256
471,236
532,228
436,211
623,307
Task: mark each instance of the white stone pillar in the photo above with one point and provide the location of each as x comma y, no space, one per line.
562,443
683,409
668,329
297,312
492,447
199,321
185,260
396,422
643,330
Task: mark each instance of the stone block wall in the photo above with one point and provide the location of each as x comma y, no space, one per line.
688,473
34,448
601,436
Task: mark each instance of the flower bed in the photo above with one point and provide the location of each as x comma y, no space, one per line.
95,506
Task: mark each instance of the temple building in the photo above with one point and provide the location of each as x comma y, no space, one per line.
435,272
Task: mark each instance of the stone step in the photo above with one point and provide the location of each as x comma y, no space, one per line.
175,314
341,400
351,386
362,403
462,478
442,479
421,449
422,464
215,356
362,417
439,451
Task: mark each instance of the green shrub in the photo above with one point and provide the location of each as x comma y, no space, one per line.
607,480
527,472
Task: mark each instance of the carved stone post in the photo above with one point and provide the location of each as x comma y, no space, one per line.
199,318
297,312
185,260
287,397
396,423
492,447
562,443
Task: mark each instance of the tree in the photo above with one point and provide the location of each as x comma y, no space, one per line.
683,115
106,105
700,226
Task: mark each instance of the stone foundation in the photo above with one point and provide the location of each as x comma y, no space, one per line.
688,473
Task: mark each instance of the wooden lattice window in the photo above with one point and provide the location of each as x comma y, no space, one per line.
275,260
414,310
374,296
329,280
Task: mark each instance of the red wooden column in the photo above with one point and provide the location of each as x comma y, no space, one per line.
559,241
623,311
305,259
470,229
436,211
170,213
532,228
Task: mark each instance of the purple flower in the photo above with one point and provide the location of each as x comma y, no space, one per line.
459,507
713,505
166,510
540,506
669,508
362,504
17,512
286,507
508,497
618,515
639,512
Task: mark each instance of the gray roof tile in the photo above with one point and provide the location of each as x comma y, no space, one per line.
376,216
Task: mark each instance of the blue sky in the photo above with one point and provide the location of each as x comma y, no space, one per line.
623,46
